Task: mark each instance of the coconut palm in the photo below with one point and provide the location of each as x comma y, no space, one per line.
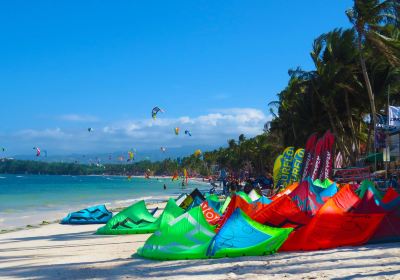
368,18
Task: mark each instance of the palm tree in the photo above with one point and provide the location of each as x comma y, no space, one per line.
367,17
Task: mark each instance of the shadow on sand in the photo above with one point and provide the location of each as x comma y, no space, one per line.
300,265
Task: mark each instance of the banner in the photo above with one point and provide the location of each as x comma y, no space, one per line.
296,165
394,116
277,170
308,157
286,168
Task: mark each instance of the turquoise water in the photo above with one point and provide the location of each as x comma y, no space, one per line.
30,199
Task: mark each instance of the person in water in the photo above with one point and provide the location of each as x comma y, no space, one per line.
165,186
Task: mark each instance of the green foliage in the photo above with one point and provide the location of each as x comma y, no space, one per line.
340,93
255,154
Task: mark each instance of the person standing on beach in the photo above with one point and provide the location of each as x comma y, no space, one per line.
165,186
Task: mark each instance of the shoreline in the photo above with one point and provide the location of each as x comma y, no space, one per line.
52,216
45,222
17,219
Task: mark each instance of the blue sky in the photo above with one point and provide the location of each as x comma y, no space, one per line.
212,65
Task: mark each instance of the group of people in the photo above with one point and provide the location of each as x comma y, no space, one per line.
262,184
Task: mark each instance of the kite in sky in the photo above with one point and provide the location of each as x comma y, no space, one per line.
155,111
37,151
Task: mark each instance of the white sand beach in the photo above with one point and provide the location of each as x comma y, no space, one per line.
74,252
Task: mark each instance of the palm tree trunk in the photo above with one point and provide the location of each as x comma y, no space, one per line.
351,125
339,140
368,85
368,148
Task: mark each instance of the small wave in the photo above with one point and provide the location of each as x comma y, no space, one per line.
19,176
125,201
9,211
3,177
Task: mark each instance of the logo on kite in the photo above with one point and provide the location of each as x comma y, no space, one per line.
187,132
163,149
3,149
37,151
155,111
90,129
176,129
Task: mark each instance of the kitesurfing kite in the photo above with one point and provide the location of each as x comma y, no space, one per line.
130,156
197,153
155,111
176,129
163,149
37,151
187,132
90,129
175,176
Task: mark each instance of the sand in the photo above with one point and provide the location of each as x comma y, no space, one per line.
73,252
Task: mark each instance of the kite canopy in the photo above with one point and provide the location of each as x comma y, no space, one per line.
187,132
37,151
334,225
282,212
90,129
92,215
163,149
130,156
310,198
176,130
195,198
244,195
323,183
134,219
155,111
373,202
253,195
197,153
186,237
241,236
304,216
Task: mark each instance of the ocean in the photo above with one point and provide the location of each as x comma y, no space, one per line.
32,199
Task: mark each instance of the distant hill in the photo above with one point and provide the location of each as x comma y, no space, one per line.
113,157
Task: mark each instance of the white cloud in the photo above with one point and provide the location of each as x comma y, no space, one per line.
55,133
78,118
212,129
